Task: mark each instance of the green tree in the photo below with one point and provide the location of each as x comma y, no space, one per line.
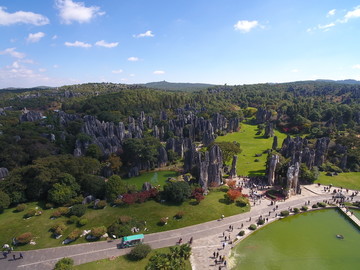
93,151
4,201
114,187
64,264
228,149
94,185
60,194
139,252
177,192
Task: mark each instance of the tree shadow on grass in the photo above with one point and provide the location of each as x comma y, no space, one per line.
224,201
257,173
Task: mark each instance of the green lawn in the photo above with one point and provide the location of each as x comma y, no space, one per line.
155,178
12,224
349,180
122,263
251,144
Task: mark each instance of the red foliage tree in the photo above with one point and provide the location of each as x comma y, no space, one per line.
233,194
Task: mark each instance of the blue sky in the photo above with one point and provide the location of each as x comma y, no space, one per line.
58,42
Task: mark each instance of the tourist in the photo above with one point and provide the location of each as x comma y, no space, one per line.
223,245
216,262
191,240
14,257
21,256
180,241
214,254
217,254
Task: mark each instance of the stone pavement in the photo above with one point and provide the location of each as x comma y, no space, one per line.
207,238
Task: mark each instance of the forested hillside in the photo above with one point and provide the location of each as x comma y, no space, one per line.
76,136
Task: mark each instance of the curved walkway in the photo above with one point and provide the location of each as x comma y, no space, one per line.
207,238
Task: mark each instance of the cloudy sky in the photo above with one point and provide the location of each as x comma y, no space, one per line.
57,42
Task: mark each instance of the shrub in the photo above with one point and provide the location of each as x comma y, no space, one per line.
56,214
64,264
4,201
261,221
82,222
101,204
30,213
241,202
75,234
118,202
24,238
179,214
78,210
314,206
296,210
73,219
49,206
284,213
321,204
241,233
124,219
163,221
252,227
98,231
139,252
304,208
63,210
21,207
58,228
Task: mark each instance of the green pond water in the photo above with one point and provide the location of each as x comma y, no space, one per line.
304,241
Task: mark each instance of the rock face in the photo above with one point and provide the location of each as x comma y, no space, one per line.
163,157
232,172
262,116
146,186
269,130
30,116
206,166
298,150
274,160
275,143
292,179
3,172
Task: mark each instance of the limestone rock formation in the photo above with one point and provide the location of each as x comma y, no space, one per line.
163,157
3,172
274,160
269,130
30,116
232,172
292,179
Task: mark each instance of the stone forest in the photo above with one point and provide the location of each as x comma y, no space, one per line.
99,162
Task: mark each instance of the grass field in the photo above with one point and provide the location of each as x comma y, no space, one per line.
12,223
349,180
155,178
251,144
122,263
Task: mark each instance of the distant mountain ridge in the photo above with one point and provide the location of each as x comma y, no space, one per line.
164,85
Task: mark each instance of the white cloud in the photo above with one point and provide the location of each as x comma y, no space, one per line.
118,71
159,72
55,66
103,43
146,34
32,38
22,17
42,69
70,11
132,75
245,26
352,14
13,53
133,59
326,26
357,66
295,70
78,44
54,37
331,13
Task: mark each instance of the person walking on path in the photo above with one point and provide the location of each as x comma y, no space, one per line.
21,256
223,245
14,257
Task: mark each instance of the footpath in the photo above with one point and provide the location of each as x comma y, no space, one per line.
208,237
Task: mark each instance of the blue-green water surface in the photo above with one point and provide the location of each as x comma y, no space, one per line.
304,241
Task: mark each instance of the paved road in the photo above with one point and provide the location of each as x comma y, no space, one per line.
82,253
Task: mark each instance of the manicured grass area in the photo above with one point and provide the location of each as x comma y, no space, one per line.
349,180
155,178
251,144
12,223
122,263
